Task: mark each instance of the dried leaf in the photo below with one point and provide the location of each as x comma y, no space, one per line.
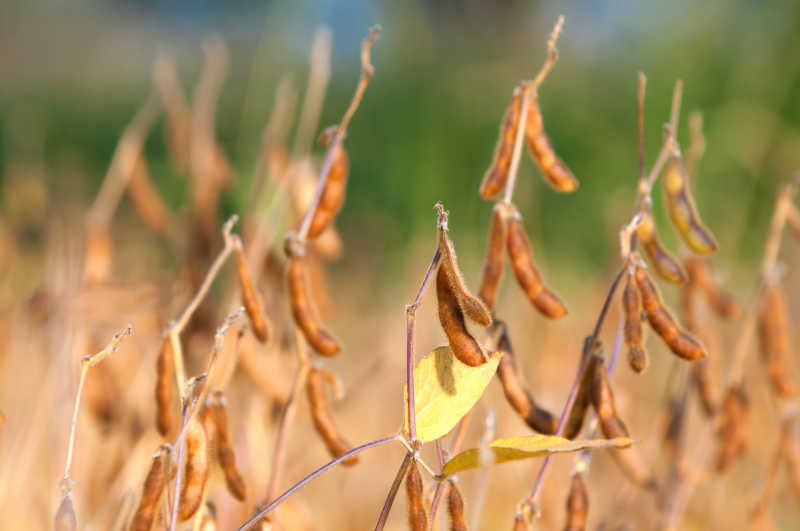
515,448
445,390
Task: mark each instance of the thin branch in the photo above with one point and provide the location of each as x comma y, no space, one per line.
411,310
670,132
529,91
177,327
288,416
88,362
318,76
517,153
640,92
780,214
552,56
398,480
532,499
123,161
294,488
366,74
697,144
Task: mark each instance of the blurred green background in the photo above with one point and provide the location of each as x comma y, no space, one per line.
72,75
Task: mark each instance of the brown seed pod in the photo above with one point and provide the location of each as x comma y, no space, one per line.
417,516
703,382
225,449
65,515
554,171
195,471
634,329
304,313
673,435
719,301
603,401
472,306
455,508
165,379
528,278
774,328
662,322
495,255
464,346
682,210
577,505
321,415
583,396
333,194
520,524
145,197
495,178
153,487
250,299
667,267
734,428
515,392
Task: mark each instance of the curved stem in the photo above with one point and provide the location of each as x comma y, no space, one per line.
313,475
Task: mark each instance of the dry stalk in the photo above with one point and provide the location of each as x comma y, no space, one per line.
318,76
366,74
528,92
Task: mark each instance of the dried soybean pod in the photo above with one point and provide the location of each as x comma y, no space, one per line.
577,505
774,335
634,330
472,306
603,401
332,197
65,515
733,432
455,508
662,322
417,517
515,392
165,379
154,485
582,398
553,169
528,278
667,267
719,301
321,415
304,313
464,346
682,210
195,471
520,524
225,450
702,378
495,178
250,299
495,255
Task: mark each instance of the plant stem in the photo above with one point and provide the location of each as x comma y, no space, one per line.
573,391
411,310
287,417
398,480
313,475
366,74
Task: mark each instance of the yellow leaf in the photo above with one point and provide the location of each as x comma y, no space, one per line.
445,390
515,448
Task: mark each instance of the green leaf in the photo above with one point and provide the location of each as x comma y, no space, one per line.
515,448
445,390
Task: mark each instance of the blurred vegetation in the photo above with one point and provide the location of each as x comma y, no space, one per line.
426,130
